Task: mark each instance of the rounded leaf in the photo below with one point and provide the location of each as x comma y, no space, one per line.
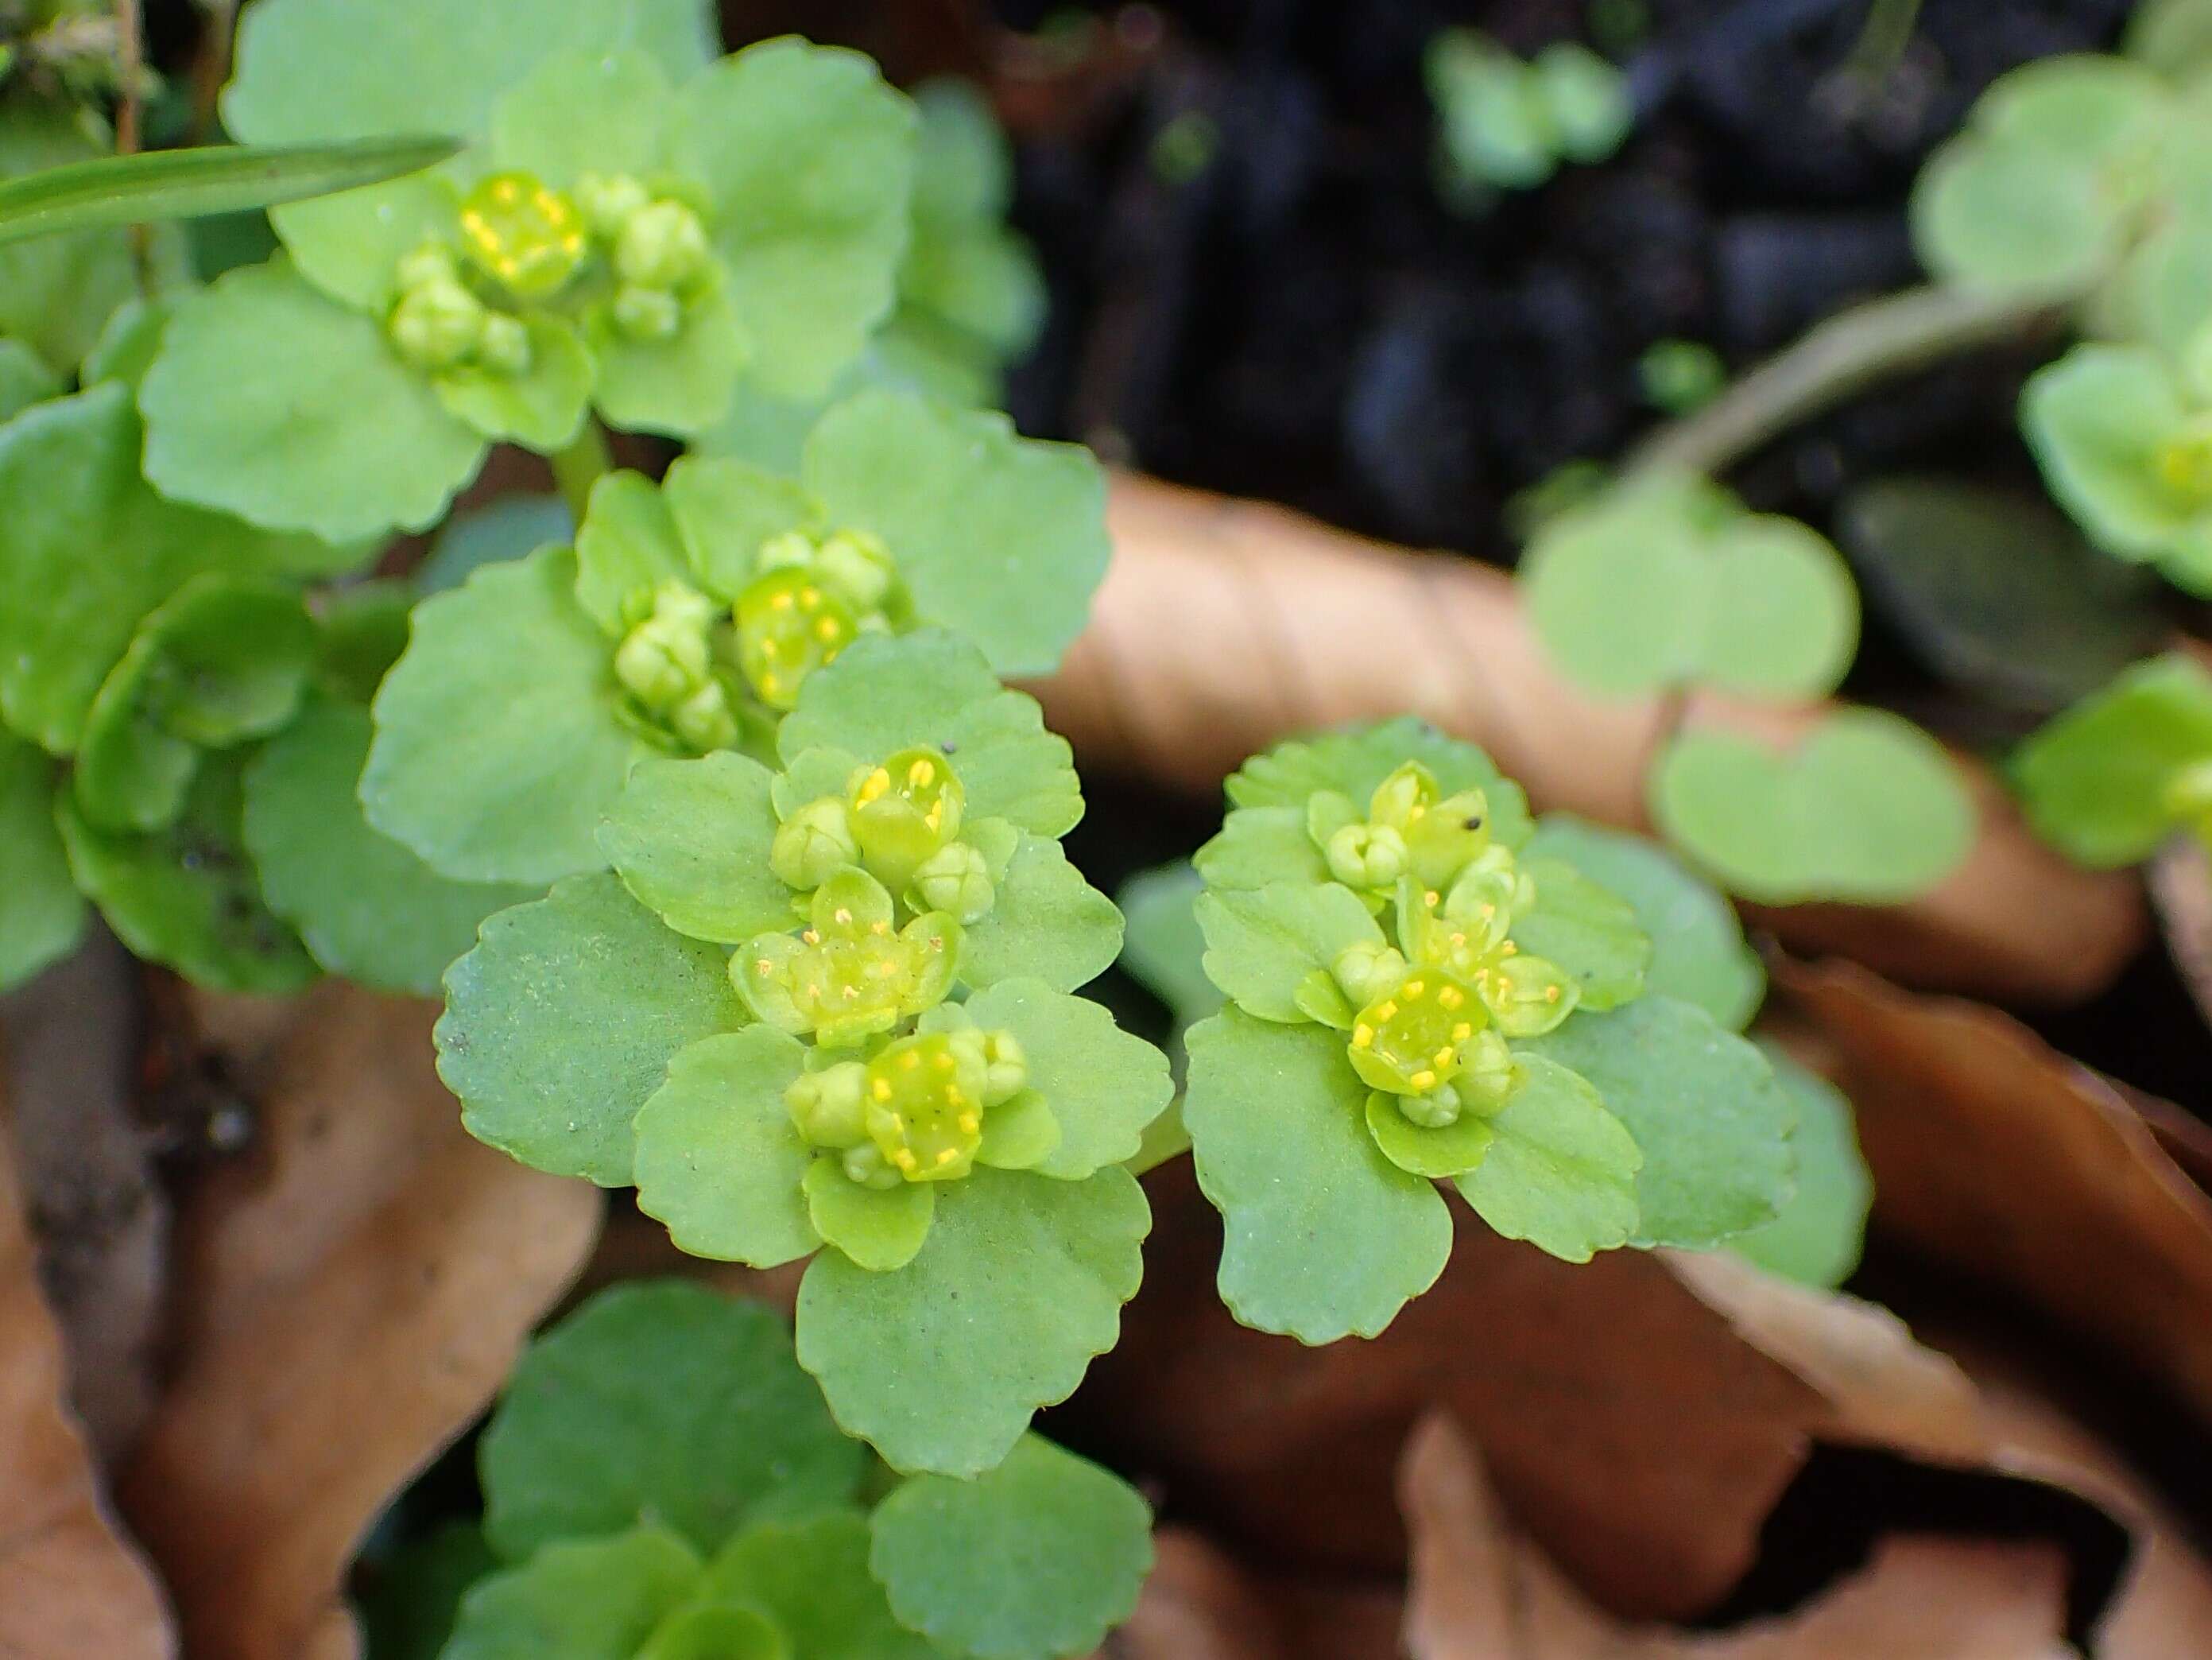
2094,781
539,409
998,538
878,1228
1323,1237
271,402
43,915
1818,1238
1867,808
1561,1170
1043,1556
718,1159
1261,946
941,1365
497,745
560,1024
1700,1103
367,908
1353,760
660,1403
813,1577
690,839
2096,420
1046,923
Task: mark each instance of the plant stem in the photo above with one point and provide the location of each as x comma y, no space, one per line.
131,71
211,64
1834,361
579,465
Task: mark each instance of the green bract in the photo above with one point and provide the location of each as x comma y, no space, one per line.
662,1482
2123,769
628,230
2123,436
692,613
2065,162
1470,1042
1669,583
957,1155
1866,808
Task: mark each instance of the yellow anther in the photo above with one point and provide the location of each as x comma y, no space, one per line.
827,628
764,965
879,927
810,598
1362,1037
970,1124
811,936
1461,1032
1508,949
872,787
1412,988
946,1155
843,913
909,1061
944,1062
1443,1057
1551,993
1451,997
1432,897
883,1090
1424,1080
1384,1010
904,1159
921,772
780,600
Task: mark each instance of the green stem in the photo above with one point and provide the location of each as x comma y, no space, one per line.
1835,361
581,465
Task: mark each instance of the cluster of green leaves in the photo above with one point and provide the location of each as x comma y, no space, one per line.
1665,585
1507,1040
1507,124
2126,766
526,695
888,1061
661,1480
633,228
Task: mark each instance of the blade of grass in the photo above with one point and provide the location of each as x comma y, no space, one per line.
129,190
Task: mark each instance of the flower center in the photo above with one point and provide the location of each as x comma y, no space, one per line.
523,235
789,624
925,1106
1410,1040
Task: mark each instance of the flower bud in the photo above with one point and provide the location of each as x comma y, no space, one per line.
825,1106
1440,1107
428,264
790,547
1403,796
646,313
505,347
1367,970
789,624
438,324
813,845
704,720
660,662
1365,855
607,200
954,879
522,235
867,1165
857,564
1489,1081
1006,1067
1527,996
1448,837
661,246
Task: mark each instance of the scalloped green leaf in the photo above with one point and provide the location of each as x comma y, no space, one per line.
1261,944
725,509
1701,1104
718,1159
217,663
940,1364
186,897
43,915
676,386
690,839
2011,217
626,547
1256,846
1043,1556
1452,1149
69,470
1590,932
810,159
932,689
1866,808
1561,1170
561,1022
271,402
349,245
878,1228
497,744
1353,760
579,1599
813,1577
578,112
1047,923
2094,782
1698,953
1819,1236
366,908
1163,947
540,409
1323,1237
1102,1085
998,538
660,1404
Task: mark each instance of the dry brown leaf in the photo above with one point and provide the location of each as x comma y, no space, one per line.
1199,1604
1639,1439
1480,1591
2007,1161
349,1298
1224,625
69,1585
